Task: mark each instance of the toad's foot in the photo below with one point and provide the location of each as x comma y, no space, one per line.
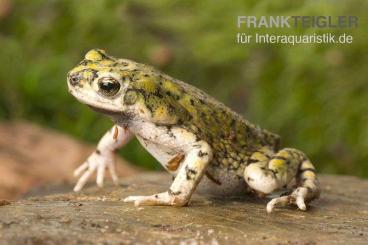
162,199
96,162
297,197
103,157
267,172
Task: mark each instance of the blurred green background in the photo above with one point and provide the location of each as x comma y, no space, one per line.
315,95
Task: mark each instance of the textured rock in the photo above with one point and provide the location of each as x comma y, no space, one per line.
340,216
31,156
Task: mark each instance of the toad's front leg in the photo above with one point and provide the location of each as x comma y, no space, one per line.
198,155
103,157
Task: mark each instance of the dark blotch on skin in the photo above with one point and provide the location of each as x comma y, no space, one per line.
104,56
83,62
149,107
251,160
210,177
180,122
274,172
95,75
308,169
158,94
170,133
174,193
190,173
202,154
280,158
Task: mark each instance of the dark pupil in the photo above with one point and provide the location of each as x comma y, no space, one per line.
109,87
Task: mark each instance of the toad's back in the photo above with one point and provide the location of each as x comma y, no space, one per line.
233,139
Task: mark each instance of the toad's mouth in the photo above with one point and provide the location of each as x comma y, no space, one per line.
104,111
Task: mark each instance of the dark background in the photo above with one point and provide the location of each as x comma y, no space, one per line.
314,95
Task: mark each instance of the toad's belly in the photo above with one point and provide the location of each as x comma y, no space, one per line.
216,180
222,181
161,153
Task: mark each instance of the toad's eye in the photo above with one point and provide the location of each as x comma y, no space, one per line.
108,86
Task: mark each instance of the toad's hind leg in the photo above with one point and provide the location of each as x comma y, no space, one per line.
267,172
197,154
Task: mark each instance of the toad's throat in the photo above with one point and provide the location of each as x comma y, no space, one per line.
104,111
117,116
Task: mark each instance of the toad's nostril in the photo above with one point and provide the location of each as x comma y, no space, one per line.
74,80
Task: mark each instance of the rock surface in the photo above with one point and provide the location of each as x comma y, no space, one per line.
31,156
340,216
